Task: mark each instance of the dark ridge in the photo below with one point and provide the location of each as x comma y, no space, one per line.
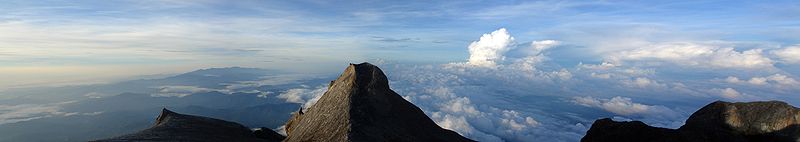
360,106
769,121
171,126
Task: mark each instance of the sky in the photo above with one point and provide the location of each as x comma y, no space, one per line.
66,42
489,70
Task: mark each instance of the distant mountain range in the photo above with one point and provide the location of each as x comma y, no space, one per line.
360,106
89,112
357,106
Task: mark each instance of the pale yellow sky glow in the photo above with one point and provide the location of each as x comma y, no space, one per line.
16,77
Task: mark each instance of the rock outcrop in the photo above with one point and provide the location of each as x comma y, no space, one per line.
171,126
719,121
360,106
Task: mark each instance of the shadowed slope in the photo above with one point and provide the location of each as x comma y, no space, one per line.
171,126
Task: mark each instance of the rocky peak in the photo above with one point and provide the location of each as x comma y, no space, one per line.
164,116
171,126
360,106
719,121
745,118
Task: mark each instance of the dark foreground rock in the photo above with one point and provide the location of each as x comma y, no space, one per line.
771,121
359,106
171,126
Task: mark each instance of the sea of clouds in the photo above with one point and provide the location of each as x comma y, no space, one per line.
508,90
513,91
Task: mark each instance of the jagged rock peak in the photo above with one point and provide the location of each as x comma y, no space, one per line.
750,118
367,75
165,114
172,126
772,121
360,106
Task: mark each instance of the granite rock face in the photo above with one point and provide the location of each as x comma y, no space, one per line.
720,121
360,106
171,126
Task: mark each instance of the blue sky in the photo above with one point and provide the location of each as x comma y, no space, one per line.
169,36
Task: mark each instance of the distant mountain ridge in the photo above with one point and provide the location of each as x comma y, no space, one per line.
358,106
171,126
128,106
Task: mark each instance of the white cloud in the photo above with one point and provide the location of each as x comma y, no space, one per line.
782,80
695,55
617,105
182,91
27,112
95,95
775,80
626,107
489,49
728,93
642,82
789,54
305,95
541,46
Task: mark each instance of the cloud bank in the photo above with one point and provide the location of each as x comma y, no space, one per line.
508,91
696,55
789,55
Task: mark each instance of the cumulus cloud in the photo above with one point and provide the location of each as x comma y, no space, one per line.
775,82
304,95
789,55
728,93
182,91
601,75
626,107
489,49
487,123
695,55
622,106
642,82
540,46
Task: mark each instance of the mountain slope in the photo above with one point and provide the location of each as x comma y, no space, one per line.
171,126
360,106
716,122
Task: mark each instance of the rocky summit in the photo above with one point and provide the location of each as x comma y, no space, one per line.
360,106
770,121
171,126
